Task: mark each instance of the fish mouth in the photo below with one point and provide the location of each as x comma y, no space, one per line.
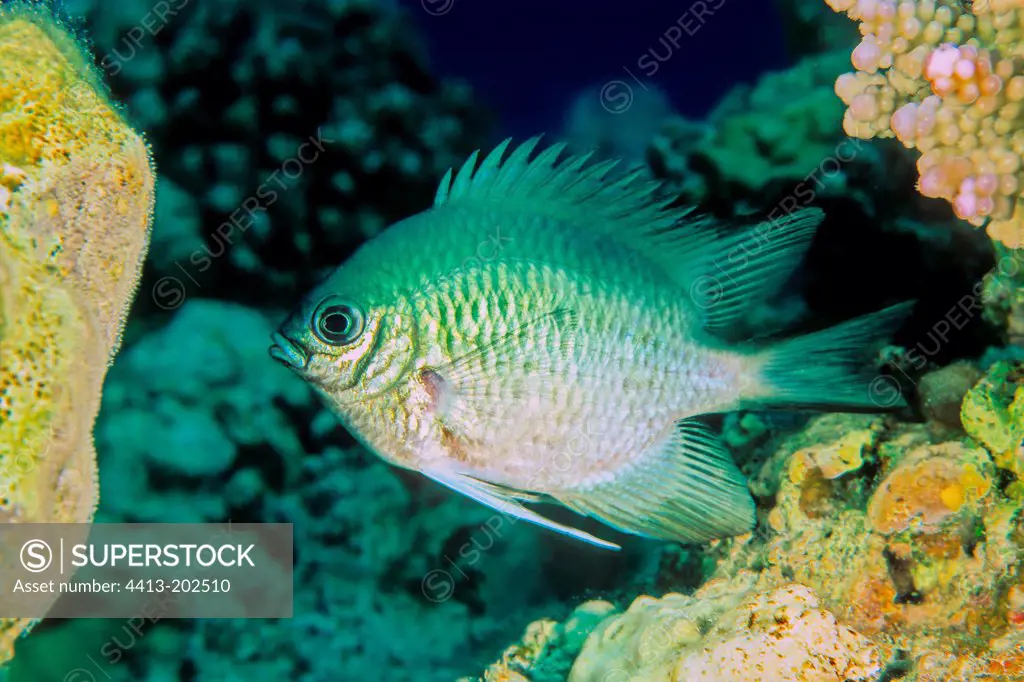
288,352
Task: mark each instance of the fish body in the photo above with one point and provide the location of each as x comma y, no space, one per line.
623,364
541,334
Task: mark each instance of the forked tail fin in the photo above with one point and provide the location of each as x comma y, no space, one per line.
833,367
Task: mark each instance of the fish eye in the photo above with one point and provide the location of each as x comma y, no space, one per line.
337,323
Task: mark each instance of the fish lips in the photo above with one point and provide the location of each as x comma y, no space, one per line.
288,352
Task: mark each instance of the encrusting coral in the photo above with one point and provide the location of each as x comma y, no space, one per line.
730,629
548,647
76,192
762,137
916,546
993,414
1003,294
946,77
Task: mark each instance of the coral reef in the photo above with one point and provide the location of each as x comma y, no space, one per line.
856,559
755,151
198,423
380,588
993,414
548,648
371,547
918,543
199,427
944,77
729,629
745,162
1003,294
930,489
941,392
765,137
888,552
76,193
287,134
888,547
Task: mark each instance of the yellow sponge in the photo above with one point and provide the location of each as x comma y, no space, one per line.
76,199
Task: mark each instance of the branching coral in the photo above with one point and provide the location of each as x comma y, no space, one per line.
76,190
946,77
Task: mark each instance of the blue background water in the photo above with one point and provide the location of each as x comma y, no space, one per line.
528,59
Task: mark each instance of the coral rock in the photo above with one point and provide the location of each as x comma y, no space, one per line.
904,565
831,446
547,647
918,547
941,392
728,632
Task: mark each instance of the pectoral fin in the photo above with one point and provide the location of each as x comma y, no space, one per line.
519,366
533,345
685,489
509,501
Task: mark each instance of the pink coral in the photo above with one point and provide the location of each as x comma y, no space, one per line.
946,78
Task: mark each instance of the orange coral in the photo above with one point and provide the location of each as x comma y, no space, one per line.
946,77
928,488
920,555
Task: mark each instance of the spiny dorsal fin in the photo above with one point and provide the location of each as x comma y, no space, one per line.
570,189
726,269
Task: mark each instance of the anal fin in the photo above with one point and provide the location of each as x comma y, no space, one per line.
685,489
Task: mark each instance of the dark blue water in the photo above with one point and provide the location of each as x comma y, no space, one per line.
527,59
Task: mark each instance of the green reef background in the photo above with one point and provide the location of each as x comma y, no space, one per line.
397,579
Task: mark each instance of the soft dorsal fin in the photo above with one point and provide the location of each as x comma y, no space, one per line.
571,189
729,272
